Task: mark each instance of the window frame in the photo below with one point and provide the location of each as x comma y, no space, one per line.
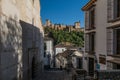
116,9
92,18
116,41
92,42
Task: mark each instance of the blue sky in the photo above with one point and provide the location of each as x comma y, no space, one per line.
63,11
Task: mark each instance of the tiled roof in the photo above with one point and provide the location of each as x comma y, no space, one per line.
66,53
64,44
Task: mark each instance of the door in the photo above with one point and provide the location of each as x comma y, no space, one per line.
91,66
32,68
79,62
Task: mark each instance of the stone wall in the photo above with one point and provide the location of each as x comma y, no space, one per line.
11,48
21,39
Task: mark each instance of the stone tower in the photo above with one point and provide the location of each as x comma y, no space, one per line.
48,22
77,24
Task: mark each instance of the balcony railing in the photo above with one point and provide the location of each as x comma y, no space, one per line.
108,74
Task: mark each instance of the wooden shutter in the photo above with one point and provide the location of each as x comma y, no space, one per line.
87,20
87,42
109,41
110,9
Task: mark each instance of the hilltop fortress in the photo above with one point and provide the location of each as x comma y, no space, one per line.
75,27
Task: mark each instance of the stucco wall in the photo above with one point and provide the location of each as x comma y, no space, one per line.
49,52
101,24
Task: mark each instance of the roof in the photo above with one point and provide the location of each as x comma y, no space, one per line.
88,5
72,48
64,44
48,38
77,54
67,53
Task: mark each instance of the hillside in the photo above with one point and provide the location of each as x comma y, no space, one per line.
59,36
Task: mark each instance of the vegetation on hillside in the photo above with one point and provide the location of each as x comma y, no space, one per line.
59,36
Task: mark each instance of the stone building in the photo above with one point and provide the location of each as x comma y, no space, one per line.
75,27
102,35
21,39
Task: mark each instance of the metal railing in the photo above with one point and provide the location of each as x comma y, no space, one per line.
108,74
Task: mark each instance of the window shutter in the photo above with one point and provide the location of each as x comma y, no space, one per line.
109,41
87,20
87,42
110,10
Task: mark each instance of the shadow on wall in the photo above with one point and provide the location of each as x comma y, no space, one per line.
16,39
32,45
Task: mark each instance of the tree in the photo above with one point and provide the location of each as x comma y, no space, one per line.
59,36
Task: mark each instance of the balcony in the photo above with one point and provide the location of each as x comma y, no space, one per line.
108,74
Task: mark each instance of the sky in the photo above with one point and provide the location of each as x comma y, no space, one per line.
63,11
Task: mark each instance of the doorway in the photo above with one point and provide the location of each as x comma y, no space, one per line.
33,68
32,63
79,63
91,66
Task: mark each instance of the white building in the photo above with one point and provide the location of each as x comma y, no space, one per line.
70,58
49,59
102,33
60,48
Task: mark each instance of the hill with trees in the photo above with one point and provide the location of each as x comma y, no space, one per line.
59,36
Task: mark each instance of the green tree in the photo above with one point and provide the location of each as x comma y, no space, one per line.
59,36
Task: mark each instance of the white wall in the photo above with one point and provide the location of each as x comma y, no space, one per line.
59,50
49,51
101,24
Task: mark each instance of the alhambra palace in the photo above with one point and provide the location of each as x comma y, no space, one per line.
75,27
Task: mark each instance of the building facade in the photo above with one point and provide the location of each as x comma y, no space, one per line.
75,27
21,39
49,56
102,35
70,59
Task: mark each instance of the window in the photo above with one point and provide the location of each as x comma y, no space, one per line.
91,66
117,8
92,19
113,41
79,63
45,48
116,66
118,41
109,65
92,42
113,10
